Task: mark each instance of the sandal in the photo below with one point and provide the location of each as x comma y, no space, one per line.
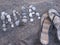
45,28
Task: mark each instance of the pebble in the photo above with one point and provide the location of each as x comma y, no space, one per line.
37,14
39,17
4,25
8,16
24,14
24,20
2,17
4,29
12,25
2,13
30,6
14,12
31,20
30,15
33,12
30,10
9,19
33,8
23,8
17,23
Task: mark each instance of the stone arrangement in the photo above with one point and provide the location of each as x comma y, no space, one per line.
15,19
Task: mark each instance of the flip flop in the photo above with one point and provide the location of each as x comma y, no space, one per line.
56,21
45,28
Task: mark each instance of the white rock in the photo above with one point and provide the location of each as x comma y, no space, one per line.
30,10
4,29
23,7
8,16
24,16
33,8
31,20
39,17
30,6
14,11
2,13
9,19
33,12
12,25
17,23
2,17
4,25
37,14
30,15
24,20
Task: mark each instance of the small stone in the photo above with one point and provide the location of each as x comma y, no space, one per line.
30,10
37,14
2,13
33,12
31,20
15,18
8,16
2,17
9,19
17,23
23,7
33,8
12,25
39,17
4,29
4,25
30,6
24,14
30,15
14,12
24,20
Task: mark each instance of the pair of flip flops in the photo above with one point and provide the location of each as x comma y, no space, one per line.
45,22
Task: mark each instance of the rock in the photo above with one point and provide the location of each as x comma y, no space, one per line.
8,16
30,6
9,19
37,14
39,17
33,8
12,25
17,23
4,29
30,15
24,14
31,20
30,10
24,20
